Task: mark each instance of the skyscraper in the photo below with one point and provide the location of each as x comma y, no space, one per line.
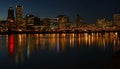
19,13
10,16
116,18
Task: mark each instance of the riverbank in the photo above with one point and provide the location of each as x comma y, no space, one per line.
50,32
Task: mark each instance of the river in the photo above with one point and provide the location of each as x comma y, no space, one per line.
58,51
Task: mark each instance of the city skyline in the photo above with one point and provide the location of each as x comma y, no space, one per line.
89,10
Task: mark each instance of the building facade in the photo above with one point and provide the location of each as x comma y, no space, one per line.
11,18
116,18
19,13
101,22
10,14
29,19
62,21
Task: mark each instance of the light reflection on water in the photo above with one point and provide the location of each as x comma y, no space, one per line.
20,47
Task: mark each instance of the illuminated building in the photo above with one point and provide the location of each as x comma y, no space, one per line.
10,14
62,18
63,21
116,18
30,19
101,22
3,22
10,18
53,23
109,23
20,21
19,13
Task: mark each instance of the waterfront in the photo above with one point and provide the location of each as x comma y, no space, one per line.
58,51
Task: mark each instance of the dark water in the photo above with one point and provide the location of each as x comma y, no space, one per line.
58,51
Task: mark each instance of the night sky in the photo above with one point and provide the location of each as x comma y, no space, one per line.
90,10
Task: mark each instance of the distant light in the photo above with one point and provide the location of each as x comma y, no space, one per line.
28,14
11,21
19,29
57,18
116,33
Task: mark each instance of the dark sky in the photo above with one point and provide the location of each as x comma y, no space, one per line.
90,10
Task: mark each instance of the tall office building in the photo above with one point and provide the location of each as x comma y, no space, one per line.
116,18
10,16
19,13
